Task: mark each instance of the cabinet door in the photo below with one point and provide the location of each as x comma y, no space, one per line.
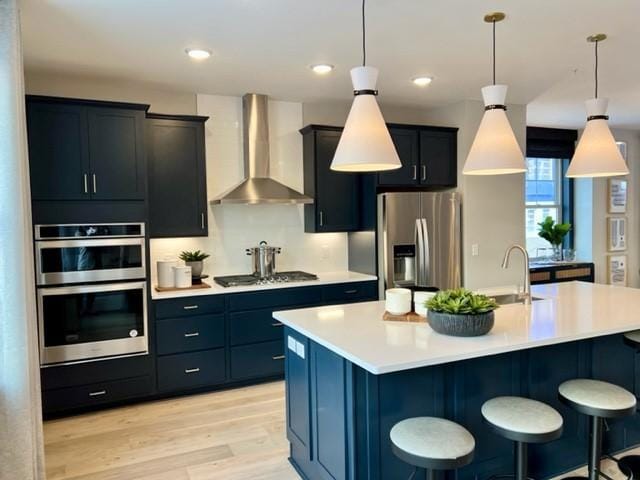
337,196
406,143
116,153
438,158
58,151
177,178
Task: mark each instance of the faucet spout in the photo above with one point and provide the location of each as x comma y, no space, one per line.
526,283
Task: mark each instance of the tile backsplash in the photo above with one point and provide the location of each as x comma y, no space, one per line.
233,228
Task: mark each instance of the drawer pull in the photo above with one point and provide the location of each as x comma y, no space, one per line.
277,324
192,334
351,291
190,307
192,370
278,357
98,393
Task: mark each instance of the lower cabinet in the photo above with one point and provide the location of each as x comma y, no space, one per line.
258,360
191,370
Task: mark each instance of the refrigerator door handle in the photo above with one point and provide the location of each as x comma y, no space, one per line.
426,263
420,259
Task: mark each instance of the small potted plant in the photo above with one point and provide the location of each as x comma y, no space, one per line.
461,313
554,233
194,260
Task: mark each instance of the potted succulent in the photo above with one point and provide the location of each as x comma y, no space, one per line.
554,233
194,260
461,313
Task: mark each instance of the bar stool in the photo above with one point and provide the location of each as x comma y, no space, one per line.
432,444
598,400
524,421
630,464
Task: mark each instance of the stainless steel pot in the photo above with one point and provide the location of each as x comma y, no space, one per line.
264,259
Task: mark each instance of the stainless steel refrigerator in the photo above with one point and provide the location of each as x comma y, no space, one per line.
419,240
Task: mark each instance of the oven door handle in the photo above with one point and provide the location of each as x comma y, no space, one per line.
97,242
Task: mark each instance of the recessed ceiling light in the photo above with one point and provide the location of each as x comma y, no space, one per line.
198,53
322,68
422,81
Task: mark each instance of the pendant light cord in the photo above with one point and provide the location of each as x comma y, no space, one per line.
494,52
596,68
364,36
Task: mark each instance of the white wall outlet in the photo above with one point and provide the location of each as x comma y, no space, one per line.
325,253
475,250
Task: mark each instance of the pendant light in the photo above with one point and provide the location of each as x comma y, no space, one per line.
365,144
597,154
495,150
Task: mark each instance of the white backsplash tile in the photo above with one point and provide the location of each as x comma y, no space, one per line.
233,228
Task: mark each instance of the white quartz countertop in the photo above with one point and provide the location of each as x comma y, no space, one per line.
326,278
568,311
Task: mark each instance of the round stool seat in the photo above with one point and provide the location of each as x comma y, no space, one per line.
632,338
522,419
432,443
597,398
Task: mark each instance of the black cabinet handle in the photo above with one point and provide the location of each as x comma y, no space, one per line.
86,183
202,221
415,172
192,370
277,324
192,334
95,184
278,357
321,218
190,307
98,393
424,172
355,290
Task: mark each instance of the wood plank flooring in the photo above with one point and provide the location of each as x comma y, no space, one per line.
235,434
232,435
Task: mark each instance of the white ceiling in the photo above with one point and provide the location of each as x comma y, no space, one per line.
266,46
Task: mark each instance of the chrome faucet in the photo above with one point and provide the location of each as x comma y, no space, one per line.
526,294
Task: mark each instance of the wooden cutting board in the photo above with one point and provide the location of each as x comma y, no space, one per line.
411,317
196,286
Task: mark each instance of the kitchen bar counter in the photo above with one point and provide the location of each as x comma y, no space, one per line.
350,376
565,312
326,278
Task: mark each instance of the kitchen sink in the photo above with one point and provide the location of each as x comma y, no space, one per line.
510,298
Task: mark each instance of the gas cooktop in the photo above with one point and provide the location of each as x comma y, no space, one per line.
280,277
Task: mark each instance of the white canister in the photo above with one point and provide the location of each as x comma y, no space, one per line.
398,301
182,277
419,299
165,273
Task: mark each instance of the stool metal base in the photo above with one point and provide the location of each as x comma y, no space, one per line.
630,466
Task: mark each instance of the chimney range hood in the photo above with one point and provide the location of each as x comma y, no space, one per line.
258,186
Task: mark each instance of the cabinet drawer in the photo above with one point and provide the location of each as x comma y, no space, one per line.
197,305
258,360
187,334
190,370
350,292
254,326
96,393
276,299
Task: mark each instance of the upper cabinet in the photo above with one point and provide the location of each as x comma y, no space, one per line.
428,156
177,176
82,150
336,195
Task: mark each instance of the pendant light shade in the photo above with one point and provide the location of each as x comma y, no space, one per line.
597,154
365,144
495,150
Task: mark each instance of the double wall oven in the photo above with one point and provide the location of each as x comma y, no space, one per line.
91,291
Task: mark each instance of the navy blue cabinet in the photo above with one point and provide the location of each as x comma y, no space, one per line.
200,332
406,142
86,150
337,197
190,370
177,176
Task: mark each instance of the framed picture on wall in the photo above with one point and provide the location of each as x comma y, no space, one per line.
617,270
617,233
617,195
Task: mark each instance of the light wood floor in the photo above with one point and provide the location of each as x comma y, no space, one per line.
233,435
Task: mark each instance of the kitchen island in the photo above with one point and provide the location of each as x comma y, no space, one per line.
351,376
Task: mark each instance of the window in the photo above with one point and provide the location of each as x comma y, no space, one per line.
543,198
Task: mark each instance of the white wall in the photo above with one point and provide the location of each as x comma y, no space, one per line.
591,213
233,228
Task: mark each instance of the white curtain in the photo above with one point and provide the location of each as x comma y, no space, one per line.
21,447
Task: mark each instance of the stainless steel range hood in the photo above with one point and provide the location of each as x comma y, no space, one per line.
258,186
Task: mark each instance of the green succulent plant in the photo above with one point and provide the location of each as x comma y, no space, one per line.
553,232
196,256
460,301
